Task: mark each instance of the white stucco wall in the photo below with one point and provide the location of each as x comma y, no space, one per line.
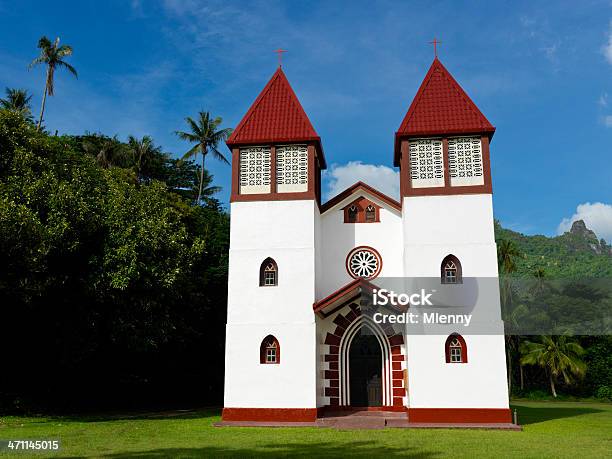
290,384
479,383
462,225
285,231
339,238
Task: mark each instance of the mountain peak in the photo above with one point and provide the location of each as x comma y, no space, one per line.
580,230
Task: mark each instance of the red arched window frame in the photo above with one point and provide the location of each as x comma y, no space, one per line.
268,273
361,210
269,351
456,349
451,271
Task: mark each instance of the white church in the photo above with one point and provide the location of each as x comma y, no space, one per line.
298,344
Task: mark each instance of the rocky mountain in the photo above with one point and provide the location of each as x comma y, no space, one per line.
584,238
576,253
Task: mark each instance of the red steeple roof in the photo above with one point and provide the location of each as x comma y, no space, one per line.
440,107
275,116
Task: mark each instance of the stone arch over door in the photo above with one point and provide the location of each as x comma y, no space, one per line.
336,358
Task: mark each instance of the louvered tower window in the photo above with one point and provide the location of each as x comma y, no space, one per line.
292,168
426,163
465,161
254,170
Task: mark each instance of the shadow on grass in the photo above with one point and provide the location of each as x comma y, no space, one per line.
356,449
139,416
533,415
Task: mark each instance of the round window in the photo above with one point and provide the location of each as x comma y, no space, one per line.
363,262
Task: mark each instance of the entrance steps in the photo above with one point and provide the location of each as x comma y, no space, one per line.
363,419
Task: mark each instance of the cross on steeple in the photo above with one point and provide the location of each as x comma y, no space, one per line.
435,42
280,56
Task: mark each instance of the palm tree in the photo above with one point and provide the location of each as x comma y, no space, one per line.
540,275
51,54
209,190
206,137
143,151
558,357
17,100
106,150
507,252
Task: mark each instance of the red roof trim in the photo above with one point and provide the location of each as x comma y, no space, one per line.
342,291
363,187
423,118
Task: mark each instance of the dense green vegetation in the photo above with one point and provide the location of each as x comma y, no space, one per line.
556,429
568,255
559,287
113,280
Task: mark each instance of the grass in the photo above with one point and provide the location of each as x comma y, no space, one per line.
551,429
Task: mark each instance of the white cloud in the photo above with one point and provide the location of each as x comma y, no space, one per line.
603,100
597,216
383,178
607,48
607,121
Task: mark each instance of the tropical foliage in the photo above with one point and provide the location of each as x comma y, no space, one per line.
557,355
560,285
206,137
17,100
113,283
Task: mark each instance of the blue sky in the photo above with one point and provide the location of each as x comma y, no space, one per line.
540,71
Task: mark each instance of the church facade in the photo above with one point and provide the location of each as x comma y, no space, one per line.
298,340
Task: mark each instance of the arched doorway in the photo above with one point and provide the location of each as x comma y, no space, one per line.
359,360
366,369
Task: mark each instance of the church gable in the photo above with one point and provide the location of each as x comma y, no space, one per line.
361,195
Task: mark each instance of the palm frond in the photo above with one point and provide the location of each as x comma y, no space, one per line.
218,155
64,50
187,136
44,43
195,129
191,153
68,67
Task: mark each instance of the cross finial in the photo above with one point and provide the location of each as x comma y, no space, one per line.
280,56
435,42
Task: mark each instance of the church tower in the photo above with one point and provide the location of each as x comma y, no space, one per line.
442,150
277,160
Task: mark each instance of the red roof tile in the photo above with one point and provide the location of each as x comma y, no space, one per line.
275,116
440,107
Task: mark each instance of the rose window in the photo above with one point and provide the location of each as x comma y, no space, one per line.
363,262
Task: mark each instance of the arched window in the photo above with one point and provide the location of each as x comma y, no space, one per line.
268,273
450,270
269,351
370,214
352,214
455,349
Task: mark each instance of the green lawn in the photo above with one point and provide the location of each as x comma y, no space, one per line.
551,429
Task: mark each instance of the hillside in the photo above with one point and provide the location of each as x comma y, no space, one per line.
576,253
